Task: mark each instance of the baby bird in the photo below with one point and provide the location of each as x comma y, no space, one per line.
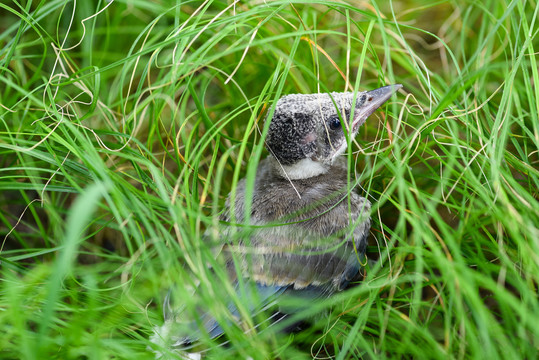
307,227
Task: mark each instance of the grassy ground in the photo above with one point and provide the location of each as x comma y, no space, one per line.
124,124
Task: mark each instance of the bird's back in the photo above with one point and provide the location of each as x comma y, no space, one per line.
305,233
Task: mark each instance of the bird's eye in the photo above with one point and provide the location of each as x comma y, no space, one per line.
334,123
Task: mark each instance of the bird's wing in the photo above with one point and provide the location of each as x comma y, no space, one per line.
312,256
323,252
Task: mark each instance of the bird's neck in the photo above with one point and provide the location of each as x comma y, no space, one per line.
303,169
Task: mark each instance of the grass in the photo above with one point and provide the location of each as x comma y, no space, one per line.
124,125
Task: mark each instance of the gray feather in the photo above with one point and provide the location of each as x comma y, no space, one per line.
305,241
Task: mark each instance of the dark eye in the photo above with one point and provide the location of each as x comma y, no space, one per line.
334,123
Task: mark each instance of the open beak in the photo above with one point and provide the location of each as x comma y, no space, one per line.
375,99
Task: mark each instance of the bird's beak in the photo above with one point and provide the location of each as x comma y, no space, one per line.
375,99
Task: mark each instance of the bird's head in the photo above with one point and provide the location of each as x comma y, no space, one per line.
308,131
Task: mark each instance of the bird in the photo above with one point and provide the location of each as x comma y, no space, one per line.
308,225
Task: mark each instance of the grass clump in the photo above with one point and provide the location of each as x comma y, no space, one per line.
124,125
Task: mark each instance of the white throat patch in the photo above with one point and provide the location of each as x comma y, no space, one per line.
303,169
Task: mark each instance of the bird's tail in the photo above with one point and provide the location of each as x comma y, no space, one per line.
181,332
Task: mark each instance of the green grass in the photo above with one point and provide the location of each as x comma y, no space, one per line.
123,131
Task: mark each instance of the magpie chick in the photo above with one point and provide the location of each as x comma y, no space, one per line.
307,227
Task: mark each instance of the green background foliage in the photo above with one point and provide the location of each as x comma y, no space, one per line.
125,124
